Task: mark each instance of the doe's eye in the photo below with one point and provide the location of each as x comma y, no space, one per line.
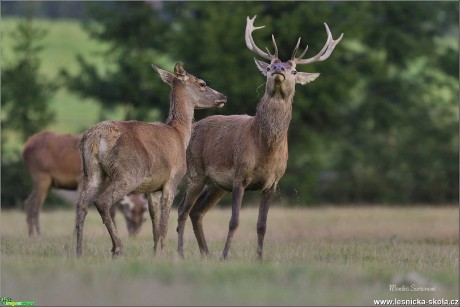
268,68
294,72
202,84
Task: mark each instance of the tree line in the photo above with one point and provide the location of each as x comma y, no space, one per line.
380,124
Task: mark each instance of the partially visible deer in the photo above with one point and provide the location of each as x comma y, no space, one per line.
132,207
240,152
53,161
122,157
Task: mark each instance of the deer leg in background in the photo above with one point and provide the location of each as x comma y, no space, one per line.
267,196
208,199
237,198
155,218
41,187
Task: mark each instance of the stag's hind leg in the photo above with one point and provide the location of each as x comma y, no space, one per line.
210,196
33,203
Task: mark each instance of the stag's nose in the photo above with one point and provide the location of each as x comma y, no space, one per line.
278,68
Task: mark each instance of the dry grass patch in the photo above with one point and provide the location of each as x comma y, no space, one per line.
313,256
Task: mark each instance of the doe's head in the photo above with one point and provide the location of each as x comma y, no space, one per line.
196,90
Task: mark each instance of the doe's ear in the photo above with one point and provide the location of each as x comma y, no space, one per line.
180,72
262,66
167,77
305,77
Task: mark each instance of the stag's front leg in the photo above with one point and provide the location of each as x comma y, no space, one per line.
237,198
155,218
267,196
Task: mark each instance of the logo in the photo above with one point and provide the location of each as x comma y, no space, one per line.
8,301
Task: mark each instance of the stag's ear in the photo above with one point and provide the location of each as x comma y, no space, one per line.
305,77
180,72
262,66
167,77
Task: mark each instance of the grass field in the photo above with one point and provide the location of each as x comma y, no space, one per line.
314,256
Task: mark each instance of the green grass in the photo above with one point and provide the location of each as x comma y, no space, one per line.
320,256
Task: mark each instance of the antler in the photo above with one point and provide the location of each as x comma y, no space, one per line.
250,41
322,55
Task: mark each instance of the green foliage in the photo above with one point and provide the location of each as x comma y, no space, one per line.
16,184
25,96
129,80
378,125
25,93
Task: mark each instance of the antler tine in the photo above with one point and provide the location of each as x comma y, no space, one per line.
274,45
293,58
324,53
250,41
276,49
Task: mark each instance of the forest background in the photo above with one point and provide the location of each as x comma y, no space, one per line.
380,124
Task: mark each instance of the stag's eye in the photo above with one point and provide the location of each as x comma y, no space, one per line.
268,68
294,72
202,84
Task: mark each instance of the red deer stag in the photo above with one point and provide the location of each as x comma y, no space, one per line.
53,161
140,157
240,152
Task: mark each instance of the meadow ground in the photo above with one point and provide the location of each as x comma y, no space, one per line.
313,256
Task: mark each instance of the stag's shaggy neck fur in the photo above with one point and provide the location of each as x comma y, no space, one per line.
273,115
180,113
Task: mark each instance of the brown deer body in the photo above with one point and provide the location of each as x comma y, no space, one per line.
120,157
240,152
53,161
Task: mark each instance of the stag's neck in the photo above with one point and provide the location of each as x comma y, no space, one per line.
272,119
180,114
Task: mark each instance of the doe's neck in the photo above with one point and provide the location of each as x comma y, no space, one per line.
181,114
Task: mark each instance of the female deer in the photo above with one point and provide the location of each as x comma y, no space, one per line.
120,157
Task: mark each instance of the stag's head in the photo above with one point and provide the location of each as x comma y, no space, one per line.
283,76
199,94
